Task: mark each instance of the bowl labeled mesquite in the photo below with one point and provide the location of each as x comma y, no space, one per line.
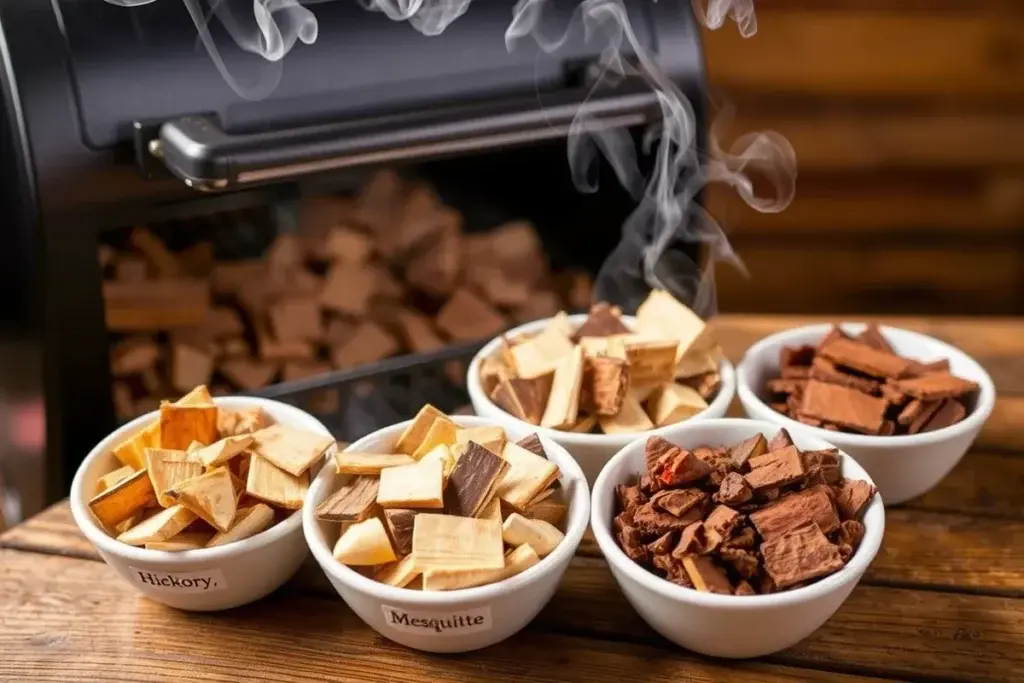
752,518
446,507
860,385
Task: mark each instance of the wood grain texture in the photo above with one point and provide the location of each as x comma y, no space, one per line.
872,53
981,484
65,616
867,205
896,279
921,635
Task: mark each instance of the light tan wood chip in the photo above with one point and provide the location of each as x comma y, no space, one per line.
450,542
543,537
352,462
564,401
527,475
631,418
673,403
517,560
491,438
162,526
273,485
417,430
290,449
221,451
398,574
112,478
441,433
167,469
365,543
248,522
412,486
186,540
211,496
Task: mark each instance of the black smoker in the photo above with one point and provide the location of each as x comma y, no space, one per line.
117,116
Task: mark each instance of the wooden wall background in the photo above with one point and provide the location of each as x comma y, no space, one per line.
907,117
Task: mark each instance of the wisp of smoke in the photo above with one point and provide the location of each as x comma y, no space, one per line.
667,214
266,28
429,17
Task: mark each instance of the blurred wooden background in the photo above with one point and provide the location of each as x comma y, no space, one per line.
907,117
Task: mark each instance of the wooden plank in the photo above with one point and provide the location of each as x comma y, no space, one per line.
872,205
979,278
829,136
878,631
982,484
1003,429
52,531
953,551
871,53
71,619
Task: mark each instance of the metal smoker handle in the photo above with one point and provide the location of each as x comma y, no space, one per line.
199,151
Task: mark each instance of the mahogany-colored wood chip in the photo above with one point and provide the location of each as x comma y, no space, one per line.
801,555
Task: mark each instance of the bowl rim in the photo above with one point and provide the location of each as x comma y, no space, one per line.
561,555
754,356
858,564
108,544
719,404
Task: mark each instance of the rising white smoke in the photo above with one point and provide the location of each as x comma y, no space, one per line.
429,17
667,214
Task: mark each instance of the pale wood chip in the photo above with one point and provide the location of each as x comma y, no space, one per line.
450,542
290,449
273,485
543,537
365,543
211,496
248,522
162,526
352,462
412,486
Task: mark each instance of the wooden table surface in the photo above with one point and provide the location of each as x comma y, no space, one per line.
943,601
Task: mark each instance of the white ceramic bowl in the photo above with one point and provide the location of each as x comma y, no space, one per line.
206,579
903,466
727,625
489,614
591,451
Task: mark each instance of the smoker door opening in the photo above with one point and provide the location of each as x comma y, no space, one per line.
411,261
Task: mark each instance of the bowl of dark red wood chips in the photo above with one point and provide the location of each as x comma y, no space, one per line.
733,539
905,405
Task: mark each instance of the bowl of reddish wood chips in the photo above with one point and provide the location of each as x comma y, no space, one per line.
906,405
196,504
733,539
593,382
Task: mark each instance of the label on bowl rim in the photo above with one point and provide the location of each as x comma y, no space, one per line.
430,623
179,582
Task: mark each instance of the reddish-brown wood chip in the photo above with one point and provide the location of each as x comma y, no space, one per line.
843,406
801,555
862,358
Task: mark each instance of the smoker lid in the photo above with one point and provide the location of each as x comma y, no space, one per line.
146,63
